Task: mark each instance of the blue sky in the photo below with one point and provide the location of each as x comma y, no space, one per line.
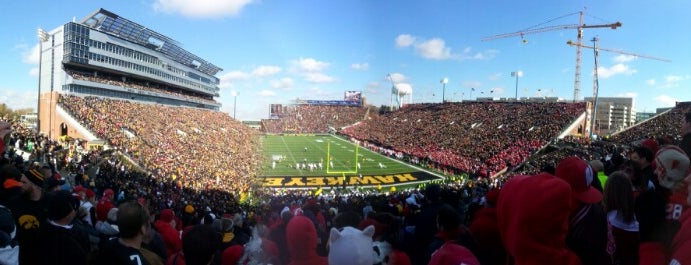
276,51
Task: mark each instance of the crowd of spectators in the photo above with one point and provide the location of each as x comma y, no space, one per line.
295,225
195,148
124,82
314,119
477,138
664,125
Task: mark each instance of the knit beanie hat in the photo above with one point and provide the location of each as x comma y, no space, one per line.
35,177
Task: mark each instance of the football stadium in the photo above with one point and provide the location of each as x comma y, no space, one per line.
126,115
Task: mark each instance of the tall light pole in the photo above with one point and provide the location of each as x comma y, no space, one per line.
444,81
42,37
235,102
517,74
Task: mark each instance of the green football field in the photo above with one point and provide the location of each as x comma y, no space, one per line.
322,160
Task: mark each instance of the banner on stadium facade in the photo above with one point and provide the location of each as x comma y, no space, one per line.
275,111
328,102
348,180
353,96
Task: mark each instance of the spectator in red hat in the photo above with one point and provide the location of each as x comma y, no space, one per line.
232,255
672,164
485,230
104,205
165,225
301,237
534,228
587,235
453,243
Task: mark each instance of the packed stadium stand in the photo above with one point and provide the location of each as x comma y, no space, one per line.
108,56
480,138
109,79
314,118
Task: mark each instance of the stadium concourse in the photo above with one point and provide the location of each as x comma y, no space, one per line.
186,170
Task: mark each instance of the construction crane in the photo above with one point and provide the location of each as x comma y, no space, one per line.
579,40
596,82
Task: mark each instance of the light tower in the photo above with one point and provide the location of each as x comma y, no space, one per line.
443,82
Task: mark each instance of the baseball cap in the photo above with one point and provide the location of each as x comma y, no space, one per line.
578,173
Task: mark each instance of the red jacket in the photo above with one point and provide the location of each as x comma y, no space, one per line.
653,253
102,208
170,236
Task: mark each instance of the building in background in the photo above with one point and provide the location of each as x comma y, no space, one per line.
613,114
105,55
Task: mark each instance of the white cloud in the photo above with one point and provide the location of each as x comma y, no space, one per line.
267,93
360,66
434,49
486,55
266,70
285,83
666,101
396,78
674,80
30,56
495,76
668,81
235,75
18,98
318,78
309,65
229,78
472,84
404,40
33,71
497,91
202,8
622,58
628,95
604,72
373,85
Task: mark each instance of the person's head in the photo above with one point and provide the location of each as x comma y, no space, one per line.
619,195
133,220
672,165
168,216
61,207
534,228
448,219
108,194
686,124
578,174
347,218
32,182
199,244
642,155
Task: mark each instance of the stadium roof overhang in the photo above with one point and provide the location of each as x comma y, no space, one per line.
109,22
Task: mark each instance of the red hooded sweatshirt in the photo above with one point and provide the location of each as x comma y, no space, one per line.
533,216
653,253
301,236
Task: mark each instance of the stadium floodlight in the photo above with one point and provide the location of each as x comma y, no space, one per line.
444,81
42,34
517,74
235,102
